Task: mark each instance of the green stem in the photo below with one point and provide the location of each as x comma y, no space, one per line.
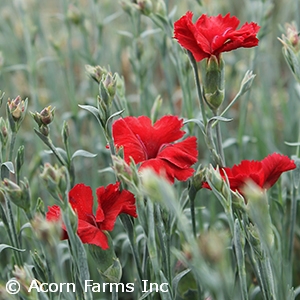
13,230
292,229
219,142
198,86
12,145
192,195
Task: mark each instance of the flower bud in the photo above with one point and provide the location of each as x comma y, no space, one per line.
17,108
214,82
96,73
47,115
54,178
3,131
161,8
46,231
74,15
145,6
291,49
18,194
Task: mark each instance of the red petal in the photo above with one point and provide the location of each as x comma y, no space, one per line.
188,37
81,200
112,202
125,133
53,213
141,140
167,169
274,165
90,234
182,154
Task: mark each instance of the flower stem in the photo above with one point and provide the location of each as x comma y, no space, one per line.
198,86
192,195
219,142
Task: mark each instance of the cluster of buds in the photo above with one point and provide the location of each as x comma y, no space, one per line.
129,173
217,183
16,110
107,89
18,194
291,48
43,119
55,179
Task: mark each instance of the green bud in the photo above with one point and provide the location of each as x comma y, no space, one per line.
214,177
145,6
108,265
74,15
46,231
20,158
291,48
110,83
128,6
3,131
196,182
161,8
96,73
18,194
54,178
214,82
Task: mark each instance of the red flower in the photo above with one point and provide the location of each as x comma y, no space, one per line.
152,145
111,203
264,173
214,35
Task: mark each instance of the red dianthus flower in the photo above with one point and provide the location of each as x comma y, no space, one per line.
264,173
214,35
111,203
152,145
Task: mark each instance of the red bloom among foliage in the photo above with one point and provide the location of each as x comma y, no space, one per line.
264,173
214,35
111,203
152,145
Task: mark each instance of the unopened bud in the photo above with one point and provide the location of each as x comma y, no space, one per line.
3,131
161,8
16,108
54,178
145,6
74,15
96,73
18,194
47,115
214,82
